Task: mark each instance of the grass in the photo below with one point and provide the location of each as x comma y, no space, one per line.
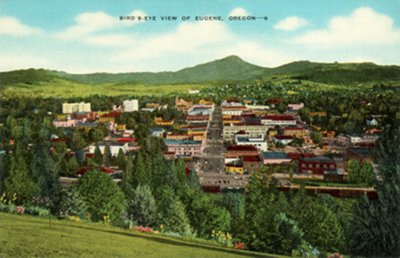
26,236
65,89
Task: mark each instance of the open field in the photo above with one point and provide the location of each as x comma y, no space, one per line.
23,236
65,89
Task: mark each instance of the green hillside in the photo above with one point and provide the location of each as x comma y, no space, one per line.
25,236
227,70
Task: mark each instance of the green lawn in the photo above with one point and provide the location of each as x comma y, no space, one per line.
65,89
26,236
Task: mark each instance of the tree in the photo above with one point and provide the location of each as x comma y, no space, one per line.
46,171
320,225
360,172
375,224
19,182
107,156
72,165
98,157
121,159
141,175
71,203
102,196
316,137
127,176
142,206
205,215
172,211
353,170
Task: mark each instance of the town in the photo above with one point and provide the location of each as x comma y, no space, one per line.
225,143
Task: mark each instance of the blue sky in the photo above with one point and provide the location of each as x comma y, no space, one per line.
88,36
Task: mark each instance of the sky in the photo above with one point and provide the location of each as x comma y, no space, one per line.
96,36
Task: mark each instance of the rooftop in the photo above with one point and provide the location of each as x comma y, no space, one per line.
181,142
241,148
274,155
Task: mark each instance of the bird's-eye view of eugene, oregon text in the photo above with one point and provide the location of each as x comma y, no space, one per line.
204,128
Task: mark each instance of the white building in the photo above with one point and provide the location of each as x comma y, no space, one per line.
281,120
257,141
131,105
69,108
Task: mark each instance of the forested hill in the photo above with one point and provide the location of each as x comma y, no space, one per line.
229,69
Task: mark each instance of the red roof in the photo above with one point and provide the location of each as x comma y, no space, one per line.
58,140
125,139
283,137
251,158
198,117
111,114
241,148
278,117
294,155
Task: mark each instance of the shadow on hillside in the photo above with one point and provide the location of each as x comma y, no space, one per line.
154,238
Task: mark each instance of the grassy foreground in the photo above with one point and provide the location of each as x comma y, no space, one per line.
26,236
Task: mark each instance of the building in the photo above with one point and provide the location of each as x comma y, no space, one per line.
257,141
316,165
295,132
69,108
236,151
275,158
130,105
295,107
157,132
185,148
253,130
284,139
280,120
251,163
66,122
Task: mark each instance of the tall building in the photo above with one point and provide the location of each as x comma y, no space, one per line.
69,108
131,105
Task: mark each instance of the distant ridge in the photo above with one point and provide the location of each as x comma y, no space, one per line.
226,70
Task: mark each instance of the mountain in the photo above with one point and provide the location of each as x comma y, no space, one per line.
226,70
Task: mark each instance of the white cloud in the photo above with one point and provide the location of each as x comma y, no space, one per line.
13,27
88,23
23,61
239,11
290,23
363,27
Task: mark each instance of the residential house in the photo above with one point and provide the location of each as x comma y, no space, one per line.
235,151
284,139
258,141
295,132
157,131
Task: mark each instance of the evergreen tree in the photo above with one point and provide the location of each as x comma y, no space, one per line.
72,165
107,156
172,211
127,176
121,159
46,173
19,182
141,175
375,226
102,196
142,206
98,157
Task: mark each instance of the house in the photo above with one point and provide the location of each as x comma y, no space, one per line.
251,163
182,104
236,151
197,118
317,113
66,122
317,165
295,107
284,139
372,122
280,120
257,141
115,147
234,169
157,131
275,158
295,132
69,108
161,122
360,154
130,105
185,148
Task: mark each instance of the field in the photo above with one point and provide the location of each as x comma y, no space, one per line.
65,89
23,236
